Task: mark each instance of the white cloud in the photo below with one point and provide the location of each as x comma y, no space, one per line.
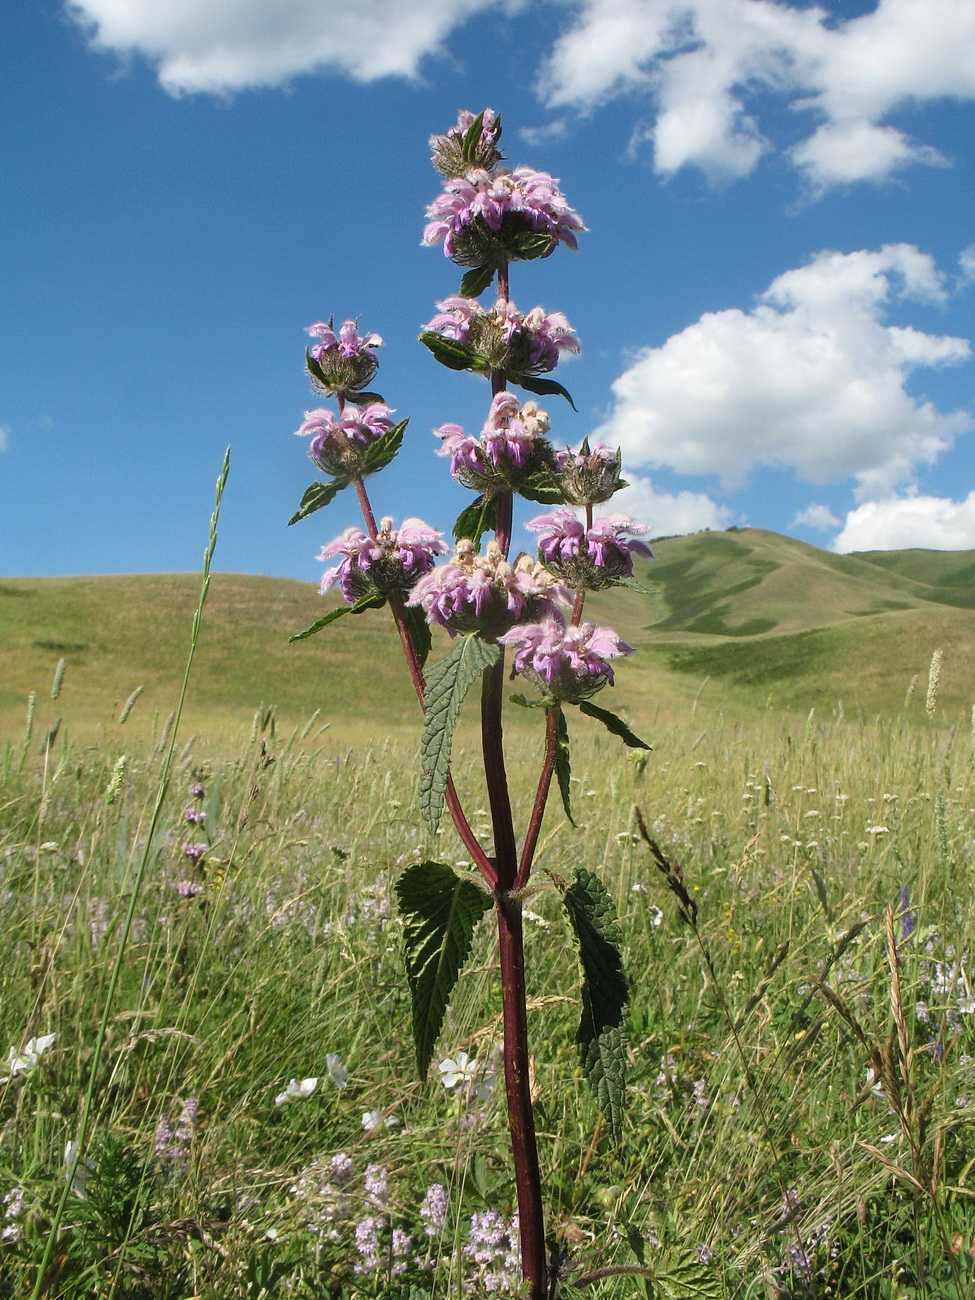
669,514
966,264
935,523
816,516
3,438
225,45
705,62
810,379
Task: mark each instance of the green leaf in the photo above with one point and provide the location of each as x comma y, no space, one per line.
685,1277
475,520
601,1034
441,911
365,397
472,137
541,703
475,282
533,244
447,683
614,724
379,453
540,487
316,372
562,768
367,602
633,586
450,353
316,496
419,630
544,387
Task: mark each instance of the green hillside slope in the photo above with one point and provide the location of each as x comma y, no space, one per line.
746,619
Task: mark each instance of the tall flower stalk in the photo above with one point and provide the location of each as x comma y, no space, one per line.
491,603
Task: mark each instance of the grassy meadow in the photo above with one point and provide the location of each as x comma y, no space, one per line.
801,1095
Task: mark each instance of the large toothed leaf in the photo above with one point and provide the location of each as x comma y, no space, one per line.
450,353
602,1031
684,1277
563,770
316,496
367,602
533,244
441,911
448,682
541,487
475,520
379,453
614,724
475,282
543,387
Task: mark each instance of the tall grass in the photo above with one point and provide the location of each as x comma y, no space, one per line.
799,1118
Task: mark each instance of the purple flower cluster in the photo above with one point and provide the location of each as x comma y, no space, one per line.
588,558
344,363
480,217
500,338
485,593
172,1142
588,476
394,561
337,442
567,663
511,448
493,1249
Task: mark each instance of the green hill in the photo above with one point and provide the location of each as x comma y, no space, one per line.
747,619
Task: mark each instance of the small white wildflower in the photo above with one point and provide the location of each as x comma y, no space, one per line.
21,1062
457,1069
337,1072
876,830
296,1091
378,1119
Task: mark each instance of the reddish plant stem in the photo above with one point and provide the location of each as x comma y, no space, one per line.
368,516
541,797
495,776
581,593
517,1081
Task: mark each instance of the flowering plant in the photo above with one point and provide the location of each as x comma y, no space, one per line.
490,604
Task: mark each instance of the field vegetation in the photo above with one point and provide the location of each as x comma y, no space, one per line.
802,1025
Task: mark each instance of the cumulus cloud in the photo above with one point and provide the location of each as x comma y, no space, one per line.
226,45
708,67
669,514
966,264
816,516
811,379
935,523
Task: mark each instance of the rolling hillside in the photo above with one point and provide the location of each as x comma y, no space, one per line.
746,619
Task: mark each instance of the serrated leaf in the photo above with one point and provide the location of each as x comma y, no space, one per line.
316,496
419,630
539,488
634,586
533,244
614,724
475,520
367,602
563,770
379,453
450,353
448,681
476,281
441,911
544,387
602,1033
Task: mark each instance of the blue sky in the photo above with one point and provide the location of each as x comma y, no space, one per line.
774,295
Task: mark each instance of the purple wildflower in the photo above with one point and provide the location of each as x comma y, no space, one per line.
197,791
512,447
195,851
193,815
172,1142
188,888
500,338
485,593
394,561
345,362
448,149
341,1167
367,1244
588,558
568,663
433,1210
337,442
908,924
485,218
377,1183
588,476
493,1249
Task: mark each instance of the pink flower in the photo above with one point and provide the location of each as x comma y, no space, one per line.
346,362
500,338
593,558
586,476
448,149
485,593
510,449
393,562
568,663
337,441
